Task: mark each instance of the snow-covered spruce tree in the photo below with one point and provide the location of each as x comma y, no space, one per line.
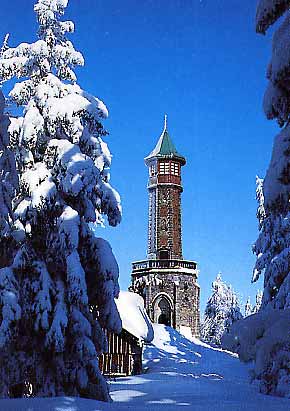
222,310
264,336
58,292
273,245
8,186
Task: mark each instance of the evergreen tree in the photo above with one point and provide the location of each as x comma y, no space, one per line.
273,245
222,310
8,186
58,291
264,337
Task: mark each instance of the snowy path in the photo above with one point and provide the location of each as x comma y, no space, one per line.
182,376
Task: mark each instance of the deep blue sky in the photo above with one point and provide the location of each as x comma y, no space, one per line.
202,64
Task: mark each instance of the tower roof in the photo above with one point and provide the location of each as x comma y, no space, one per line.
165,147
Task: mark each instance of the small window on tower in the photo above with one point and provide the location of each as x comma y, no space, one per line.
164,255
167,168
164,168
175,169
152,170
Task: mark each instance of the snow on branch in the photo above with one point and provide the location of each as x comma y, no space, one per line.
56,335
9,305
111,204
280,62
42,304
276,103
268,12
264,338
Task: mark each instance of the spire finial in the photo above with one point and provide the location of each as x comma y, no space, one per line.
165,122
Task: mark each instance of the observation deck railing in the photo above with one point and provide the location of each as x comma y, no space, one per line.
162,264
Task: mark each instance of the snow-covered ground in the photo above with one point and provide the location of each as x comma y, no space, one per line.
182,375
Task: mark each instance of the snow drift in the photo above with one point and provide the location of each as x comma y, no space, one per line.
265,339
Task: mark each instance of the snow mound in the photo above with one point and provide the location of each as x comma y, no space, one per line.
187,374
265,338
134,317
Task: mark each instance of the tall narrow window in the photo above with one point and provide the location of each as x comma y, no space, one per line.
176,169
167,168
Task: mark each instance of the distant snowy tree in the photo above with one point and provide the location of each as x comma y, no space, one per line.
248,308
58,292
258,303
222,310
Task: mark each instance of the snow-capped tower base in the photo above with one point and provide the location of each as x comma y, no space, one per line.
167,282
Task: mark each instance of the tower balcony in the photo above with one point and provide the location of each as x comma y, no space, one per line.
145,265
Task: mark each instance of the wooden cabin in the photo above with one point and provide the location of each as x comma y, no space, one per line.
124,356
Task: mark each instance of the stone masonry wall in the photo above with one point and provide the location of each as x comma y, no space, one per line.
183,291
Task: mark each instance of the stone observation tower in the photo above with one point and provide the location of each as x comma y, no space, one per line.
167,282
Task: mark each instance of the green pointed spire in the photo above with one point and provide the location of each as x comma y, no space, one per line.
165,147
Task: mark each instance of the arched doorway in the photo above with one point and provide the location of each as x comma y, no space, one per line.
165,315
163,310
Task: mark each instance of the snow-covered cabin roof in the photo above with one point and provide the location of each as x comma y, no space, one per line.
165,147
134,317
